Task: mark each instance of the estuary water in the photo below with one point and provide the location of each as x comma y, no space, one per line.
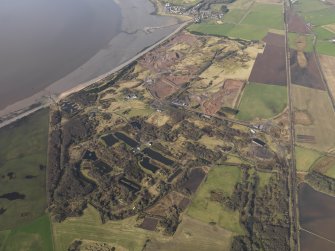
48,46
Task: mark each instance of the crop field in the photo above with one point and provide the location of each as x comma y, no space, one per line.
23,156
316,105
327,64
262,101
35,236
305,158
326,166
222,179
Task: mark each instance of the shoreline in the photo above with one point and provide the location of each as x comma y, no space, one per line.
134,39
49,100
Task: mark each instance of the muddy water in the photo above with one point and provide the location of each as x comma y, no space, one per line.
48,47
44,40
317,214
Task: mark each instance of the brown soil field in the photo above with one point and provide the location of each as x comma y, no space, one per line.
303,118
162,89
196,176
328,65
274,39
149,224
304,70
226,96
302,138
296,23
270,66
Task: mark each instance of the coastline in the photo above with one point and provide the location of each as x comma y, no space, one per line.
45,98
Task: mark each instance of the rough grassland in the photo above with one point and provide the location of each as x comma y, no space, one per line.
190,235
34,236
264,179
194,235
23,147
89,227
305,158
262,101
317,104
223,179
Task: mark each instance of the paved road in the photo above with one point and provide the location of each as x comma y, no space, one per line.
292,179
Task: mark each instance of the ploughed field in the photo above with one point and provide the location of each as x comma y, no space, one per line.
316,218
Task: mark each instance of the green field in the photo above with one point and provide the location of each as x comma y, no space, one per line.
23,148
243,31
262,101
309,5
223,179
320,17
293,38
34,236
305,158
325,48
265,15
234,16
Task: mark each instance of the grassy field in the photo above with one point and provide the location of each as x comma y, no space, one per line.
34,236
309,5
325,48
23,148
262,101
321,17
317,104
223,179
234,16
305,158
293,38
326,166
265,15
